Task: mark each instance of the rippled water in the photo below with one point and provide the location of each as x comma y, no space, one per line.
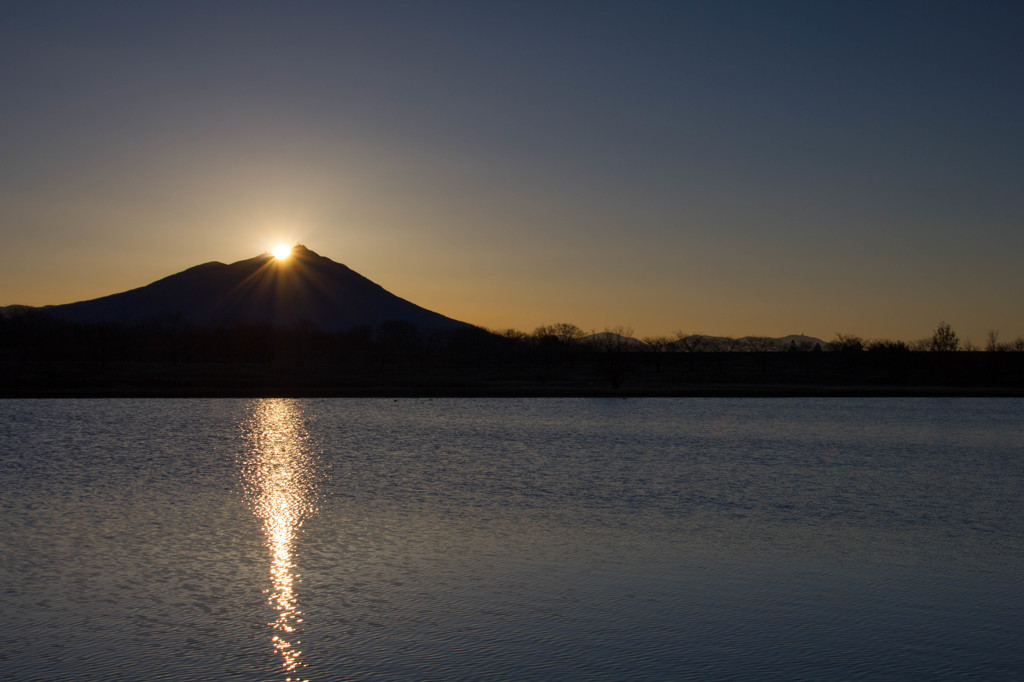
512,539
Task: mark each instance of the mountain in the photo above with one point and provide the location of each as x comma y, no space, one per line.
614,341
702,342
305,287
801,342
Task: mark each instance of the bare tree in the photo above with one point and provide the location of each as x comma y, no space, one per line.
658,344
690,343
944,339
760,344
887,345
728,343
847,343
615,344
617,339
564,332
920,344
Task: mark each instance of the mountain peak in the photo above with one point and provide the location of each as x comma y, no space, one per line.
306,288
301,250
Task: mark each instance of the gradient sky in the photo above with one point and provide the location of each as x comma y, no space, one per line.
716,167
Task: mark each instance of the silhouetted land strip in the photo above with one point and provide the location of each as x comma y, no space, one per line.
705,374
308,326
40,357
497,391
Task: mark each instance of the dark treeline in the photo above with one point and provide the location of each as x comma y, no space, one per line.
42,355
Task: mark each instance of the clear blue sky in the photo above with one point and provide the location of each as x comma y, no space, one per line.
717,167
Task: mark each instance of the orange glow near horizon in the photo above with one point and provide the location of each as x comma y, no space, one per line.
281,251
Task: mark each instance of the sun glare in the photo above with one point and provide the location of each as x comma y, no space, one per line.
281,251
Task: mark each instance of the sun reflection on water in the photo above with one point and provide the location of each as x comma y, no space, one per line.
279,481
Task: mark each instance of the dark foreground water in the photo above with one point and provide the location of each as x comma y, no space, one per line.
585,539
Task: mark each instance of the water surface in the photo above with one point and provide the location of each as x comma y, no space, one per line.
512,539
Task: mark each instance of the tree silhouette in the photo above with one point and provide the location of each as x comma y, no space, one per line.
847,343
944,338
564,332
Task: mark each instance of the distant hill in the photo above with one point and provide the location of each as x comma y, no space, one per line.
304,288
701,342
614,341
801,342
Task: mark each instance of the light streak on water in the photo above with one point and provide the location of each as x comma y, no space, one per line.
279,480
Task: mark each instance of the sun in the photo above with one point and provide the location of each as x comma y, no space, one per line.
281,251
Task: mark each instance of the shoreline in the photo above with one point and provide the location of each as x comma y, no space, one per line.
690,375
549,391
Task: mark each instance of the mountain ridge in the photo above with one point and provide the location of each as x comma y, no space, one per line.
303,288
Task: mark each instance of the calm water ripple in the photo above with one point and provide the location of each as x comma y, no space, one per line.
512,539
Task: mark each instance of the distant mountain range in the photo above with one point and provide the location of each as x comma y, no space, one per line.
303,288
701,342
698,342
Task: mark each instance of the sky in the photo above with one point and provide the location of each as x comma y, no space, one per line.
727,168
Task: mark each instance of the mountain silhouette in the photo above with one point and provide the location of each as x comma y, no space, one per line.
304,288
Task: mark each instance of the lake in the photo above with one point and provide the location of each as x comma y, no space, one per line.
512,539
